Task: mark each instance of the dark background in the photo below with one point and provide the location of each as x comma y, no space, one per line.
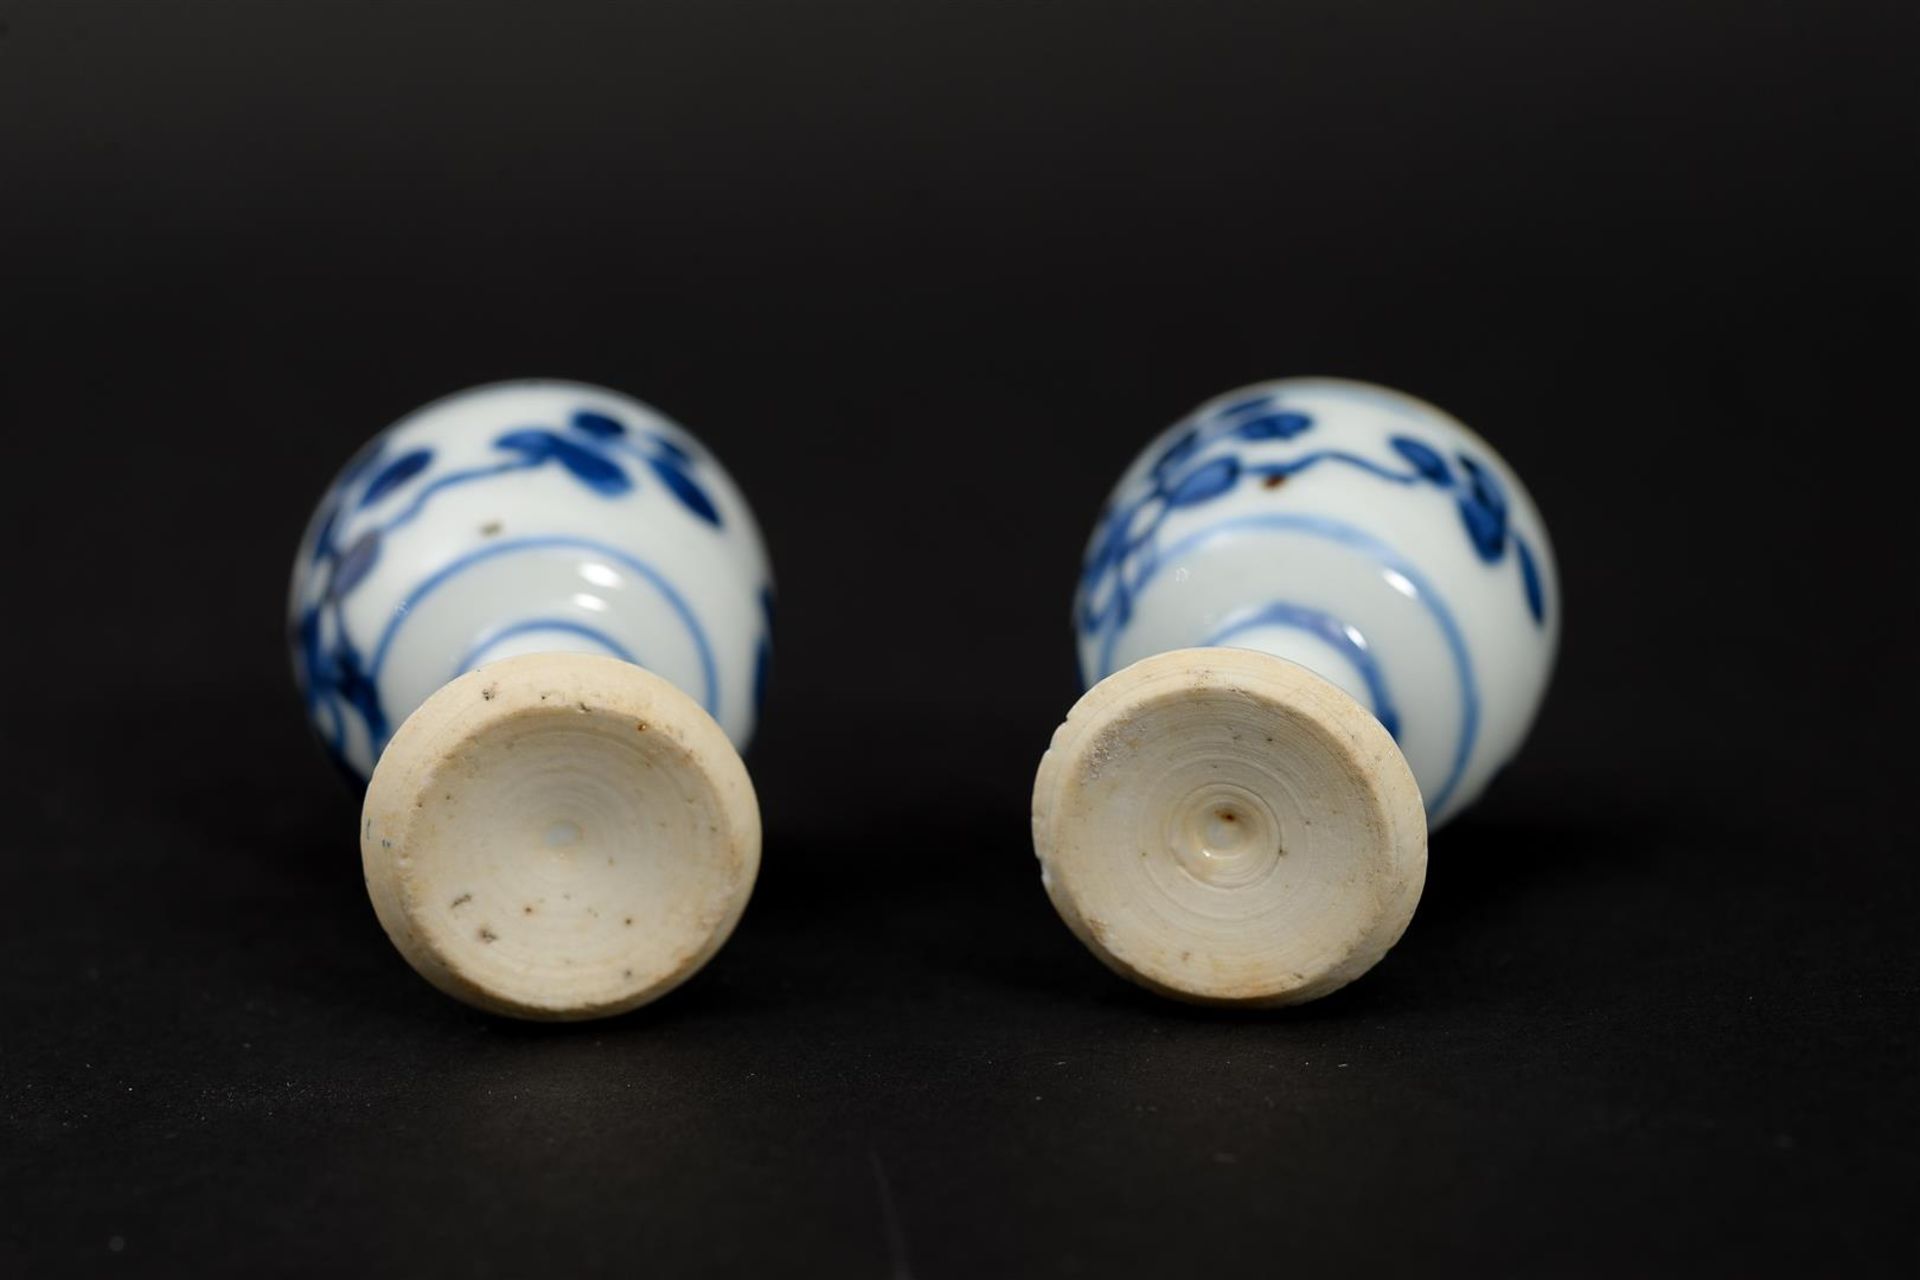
926,275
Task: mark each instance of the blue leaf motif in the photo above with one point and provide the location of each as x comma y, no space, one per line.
1530,579
323,540
351,680
762,661
1486,487
355,564
1107,551
1484,527
1425,459
396,473
1245,406
306,642
691,495
362,461
1209,481
672,450
598,424
1179,449
1484,510
763,655
592,469
1284,425
537,445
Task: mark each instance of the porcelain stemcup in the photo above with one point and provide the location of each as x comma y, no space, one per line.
1317,617
535,618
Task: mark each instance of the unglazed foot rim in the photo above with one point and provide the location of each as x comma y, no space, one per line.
559,836
1226,827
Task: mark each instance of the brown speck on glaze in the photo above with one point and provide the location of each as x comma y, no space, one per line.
460,901
628,922
486,934
581,705
490,529
640,726
490,692
527,910
1274,481
626,973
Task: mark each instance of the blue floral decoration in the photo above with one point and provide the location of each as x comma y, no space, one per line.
589,466
598,424
763,651
1183,476
394,474
589,448
681,485
670,462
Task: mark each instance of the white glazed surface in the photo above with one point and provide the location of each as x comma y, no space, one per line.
523,517
1302,518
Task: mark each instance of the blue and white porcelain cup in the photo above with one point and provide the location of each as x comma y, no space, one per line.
1317,617
536,618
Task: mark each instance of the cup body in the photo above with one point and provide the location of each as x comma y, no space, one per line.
1352,529
526,517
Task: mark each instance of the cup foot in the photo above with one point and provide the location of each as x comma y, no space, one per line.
1226,827
559,836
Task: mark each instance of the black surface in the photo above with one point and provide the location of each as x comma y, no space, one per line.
926,275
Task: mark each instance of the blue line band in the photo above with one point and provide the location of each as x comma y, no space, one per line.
710,678
1344,638
567,625
1359,540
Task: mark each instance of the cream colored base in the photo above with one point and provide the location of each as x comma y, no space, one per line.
1226,827
559,836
